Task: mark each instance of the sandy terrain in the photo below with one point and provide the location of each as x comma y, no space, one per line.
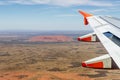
58,61
55,38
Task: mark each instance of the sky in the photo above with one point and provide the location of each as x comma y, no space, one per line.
51,15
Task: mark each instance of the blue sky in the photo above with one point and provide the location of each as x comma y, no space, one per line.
47,15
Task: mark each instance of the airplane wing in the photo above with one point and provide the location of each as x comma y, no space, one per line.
107,31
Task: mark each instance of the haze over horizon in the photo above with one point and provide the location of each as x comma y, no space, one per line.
48,15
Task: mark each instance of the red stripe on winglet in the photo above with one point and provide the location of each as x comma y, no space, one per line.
96,65
79,39
84,64
86,39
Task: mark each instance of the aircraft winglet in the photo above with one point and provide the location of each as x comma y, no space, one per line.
85,16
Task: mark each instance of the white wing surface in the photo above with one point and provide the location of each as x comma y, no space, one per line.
107,31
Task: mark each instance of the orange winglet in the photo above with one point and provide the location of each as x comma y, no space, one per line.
85,16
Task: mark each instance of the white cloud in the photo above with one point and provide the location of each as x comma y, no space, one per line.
67,2
3,3
98,3
99,10
105,11
58,2
79,2
67,15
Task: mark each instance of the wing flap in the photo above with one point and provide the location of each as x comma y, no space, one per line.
101,62
91,37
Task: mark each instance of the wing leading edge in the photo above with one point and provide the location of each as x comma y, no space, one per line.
107,31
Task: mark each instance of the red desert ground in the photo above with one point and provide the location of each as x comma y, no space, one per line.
57,38
20,60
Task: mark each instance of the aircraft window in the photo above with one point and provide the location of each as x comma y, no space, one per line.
112,37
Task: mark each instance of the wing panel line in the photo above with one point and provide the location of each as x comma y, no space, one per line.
109,22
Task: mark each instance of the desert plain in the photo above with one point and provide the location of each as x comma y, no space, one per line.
52,61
